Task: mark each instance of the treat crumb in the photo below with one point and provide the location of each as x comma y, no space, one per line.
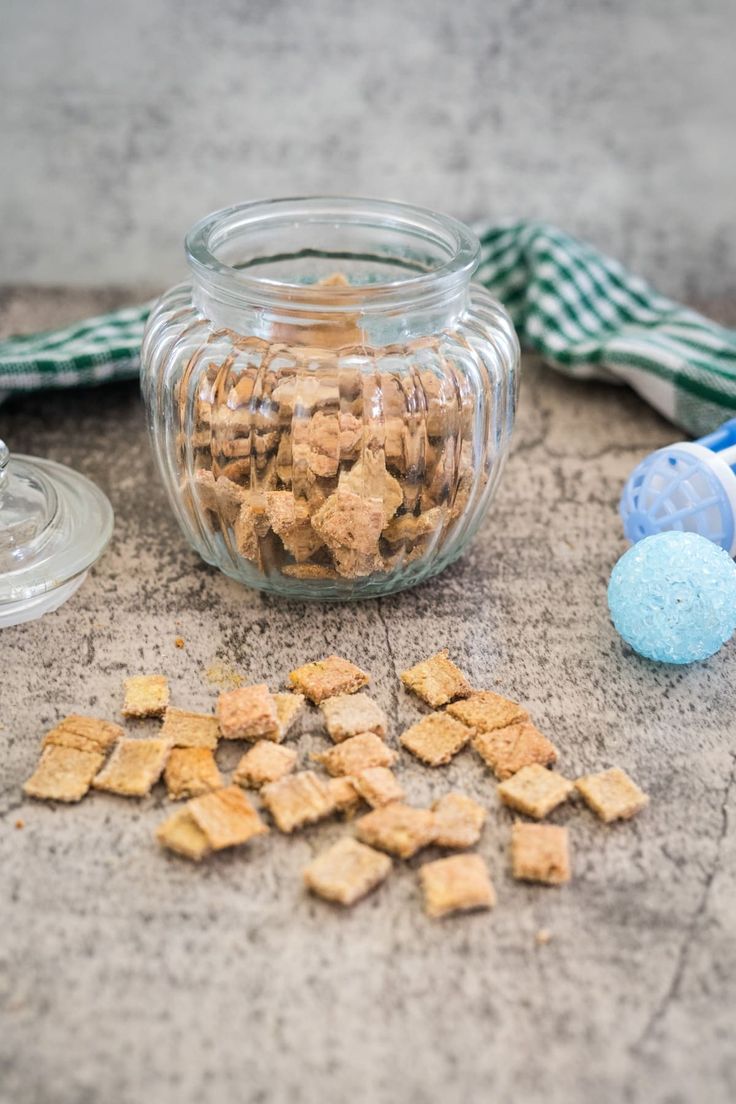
20,823
179,641
543,936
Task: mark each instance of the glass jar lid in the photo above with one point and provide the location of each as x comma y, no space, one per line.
54,524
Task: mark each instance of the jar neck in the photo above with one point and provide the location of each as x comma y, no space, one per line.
331,271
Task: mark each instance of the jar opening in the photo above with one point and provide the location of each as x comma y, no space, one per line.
277,251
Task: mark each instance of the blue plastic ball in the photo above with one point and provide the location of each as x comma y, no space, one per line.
672,597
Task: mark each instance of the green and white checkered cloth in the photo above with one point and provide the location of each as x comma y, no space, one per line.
581,311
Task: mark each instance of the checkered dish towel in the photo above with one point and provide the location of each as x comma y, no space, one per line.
582,312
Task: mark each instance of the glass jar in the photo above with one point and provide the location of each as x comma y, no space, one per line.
331,398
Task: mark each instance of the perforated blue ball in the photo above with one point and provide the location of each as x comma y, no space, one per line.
672,597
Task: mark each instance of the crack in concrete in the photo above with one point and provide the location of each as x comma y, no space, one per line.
672,991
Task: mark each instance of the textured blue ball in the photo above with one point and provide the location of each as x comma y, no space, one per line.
672,597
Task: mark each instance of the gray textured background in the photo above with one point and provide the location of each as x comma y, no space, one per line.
122,123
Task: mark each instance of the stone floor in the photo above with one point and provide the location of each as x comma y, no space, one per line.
130,975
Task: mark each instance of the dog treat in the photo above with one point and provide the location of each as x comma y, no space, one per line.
72,754
328,677
459,821
377,786
485,711
248,713
309,571
348,714
397,828
437,680
345,795
347,871
507,750
288,708
535,791
181,833
190,730
191,772
134,767
457,884
612,794
355,754
436,738
226,817
297,800
540,853
265,762
145,695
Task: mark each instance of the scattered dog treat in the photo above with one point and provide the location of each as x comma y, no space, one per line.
485,711
397,828
226,817
457,884
535,791
507,750
134,768
182,834
145,695
458,821
378,786
356,754
347,871
612,794
345,795
328,677
540,853
288,708
437,680
190,730
297,800
191,772
436,738
349,714
73,753
265,762
248,713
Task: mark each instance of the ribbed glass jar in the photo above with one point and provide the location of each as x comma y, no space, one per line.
331,398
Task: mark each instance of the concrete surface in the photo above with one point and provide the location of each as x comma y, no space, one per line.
127,975
124,123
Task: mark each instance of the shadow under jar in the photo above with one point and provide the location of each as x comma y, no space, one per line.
331,398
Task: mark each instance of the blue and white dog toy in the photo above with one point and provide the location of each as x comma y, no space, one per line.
689,486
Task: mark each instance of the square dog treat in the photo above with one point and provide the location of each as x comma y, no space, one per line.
457,884
190,730
83,734
181,833
459,820
145,696
378,786
297,800
288,709
535,791
134,767
191,772
356,754
612,794
436,738
328,677
345,795
248,713
437,680
63,773
348,714
226,817
485,711
265,762
346,871
540,853
507,750
400,829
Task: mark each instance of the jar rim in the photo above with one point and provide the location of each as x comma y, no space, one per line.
458,242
